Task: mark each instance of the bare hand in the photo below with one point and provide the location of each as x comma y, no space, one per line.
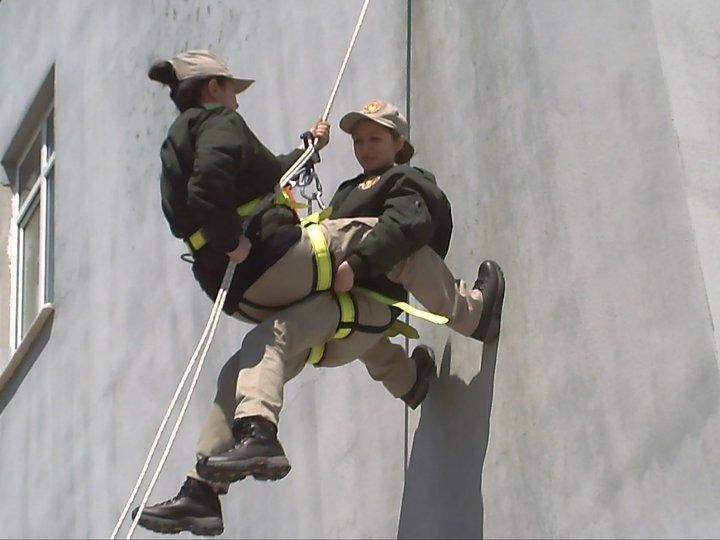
321,132
240,253
344,278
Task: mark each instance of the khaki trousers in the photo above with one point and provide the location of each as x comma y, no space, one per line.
424,274
251,383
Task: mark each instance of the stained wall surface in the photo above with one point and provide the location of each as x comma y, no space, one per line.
576,143
568,159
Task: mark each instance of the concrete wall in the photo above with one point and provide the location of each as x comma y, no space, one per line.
689,46
554,129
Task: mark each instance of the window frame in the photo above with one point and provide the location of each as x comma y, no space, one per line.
38,198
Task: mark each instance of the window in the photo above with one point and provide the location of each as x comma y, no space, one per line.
31,210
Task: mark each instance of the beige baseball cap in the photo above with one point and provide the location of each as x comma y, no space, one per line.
385,114
191,64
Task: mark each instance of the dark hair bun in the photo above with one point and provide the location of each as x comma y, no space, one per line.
163,72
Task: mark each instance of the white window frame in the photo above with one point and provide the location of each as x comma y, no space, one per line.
39,195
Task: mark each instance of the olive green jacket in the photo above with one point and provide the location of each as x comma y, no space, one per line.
212,163
412,210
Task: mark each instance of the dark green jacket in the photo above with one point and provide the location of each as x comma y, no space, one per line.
211,164
412,210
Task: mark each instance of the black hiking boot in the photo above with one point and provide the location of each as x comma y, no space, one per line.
196,508
491,282
257,452
424,366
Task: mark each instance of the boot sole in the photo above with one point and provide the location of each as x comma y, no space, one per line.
210,526
494,328
261,468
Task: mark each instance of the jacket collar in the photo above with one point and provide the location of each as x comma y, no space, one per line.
376,172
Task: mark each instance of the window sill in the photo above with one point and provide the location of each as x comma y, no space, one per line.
26,344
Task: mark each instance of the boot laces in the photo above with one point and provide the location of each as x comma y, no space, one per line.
246,431
185,490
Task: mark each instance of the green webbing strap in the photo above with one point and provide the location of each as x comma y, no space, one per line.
347,320
321,255
197,239
244,210
403,306
348,316
398,327
316,354
316,217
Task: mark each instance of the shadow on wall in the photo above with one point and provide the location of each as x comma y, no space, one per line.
443,482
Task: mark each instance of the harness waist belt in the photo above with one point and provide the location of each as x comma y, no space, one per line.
198,240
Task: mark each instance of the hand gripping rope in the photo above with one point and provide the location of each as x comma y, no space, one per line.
209,332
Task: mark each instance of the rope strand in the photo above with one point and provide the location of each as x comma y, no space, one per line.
215,317
208,328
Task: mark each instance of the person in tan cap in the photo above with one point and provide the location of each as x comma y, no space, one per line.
211,158
405,248
212,166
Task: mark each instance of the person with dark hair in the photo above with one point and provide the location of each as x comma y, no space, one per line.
213,163
194,68
292,280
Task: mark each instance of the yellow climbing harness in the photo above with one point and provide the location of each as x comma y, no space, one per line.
323,275
346,301
198,240
403,306
348,315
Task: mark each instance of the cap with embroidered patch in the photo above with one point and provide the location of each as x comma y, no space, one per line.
385,114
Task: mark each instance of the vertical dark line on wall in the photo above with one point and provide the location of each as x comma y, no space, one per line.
408,58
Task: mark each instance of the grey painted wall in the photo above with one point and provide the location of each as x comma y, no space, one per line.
689,46
552,128
571,139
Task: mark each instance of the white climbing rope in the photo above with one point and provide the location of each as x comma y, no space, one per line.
214,318
214,315
162,426
210,327
326,114
311,148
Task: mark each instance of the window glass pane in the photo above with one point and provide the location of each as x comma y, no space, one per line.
30,169
31,270
50,134
49,234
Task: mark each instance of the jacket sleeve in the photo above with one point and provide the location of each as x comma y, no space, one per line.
211,187
263,168
227,153
288,159
404,226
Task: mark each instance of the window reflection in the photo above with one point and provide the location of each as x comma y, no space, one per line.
31,269
30,169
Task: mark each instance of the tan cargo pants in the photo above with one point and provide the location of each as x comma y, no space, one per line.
252,381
